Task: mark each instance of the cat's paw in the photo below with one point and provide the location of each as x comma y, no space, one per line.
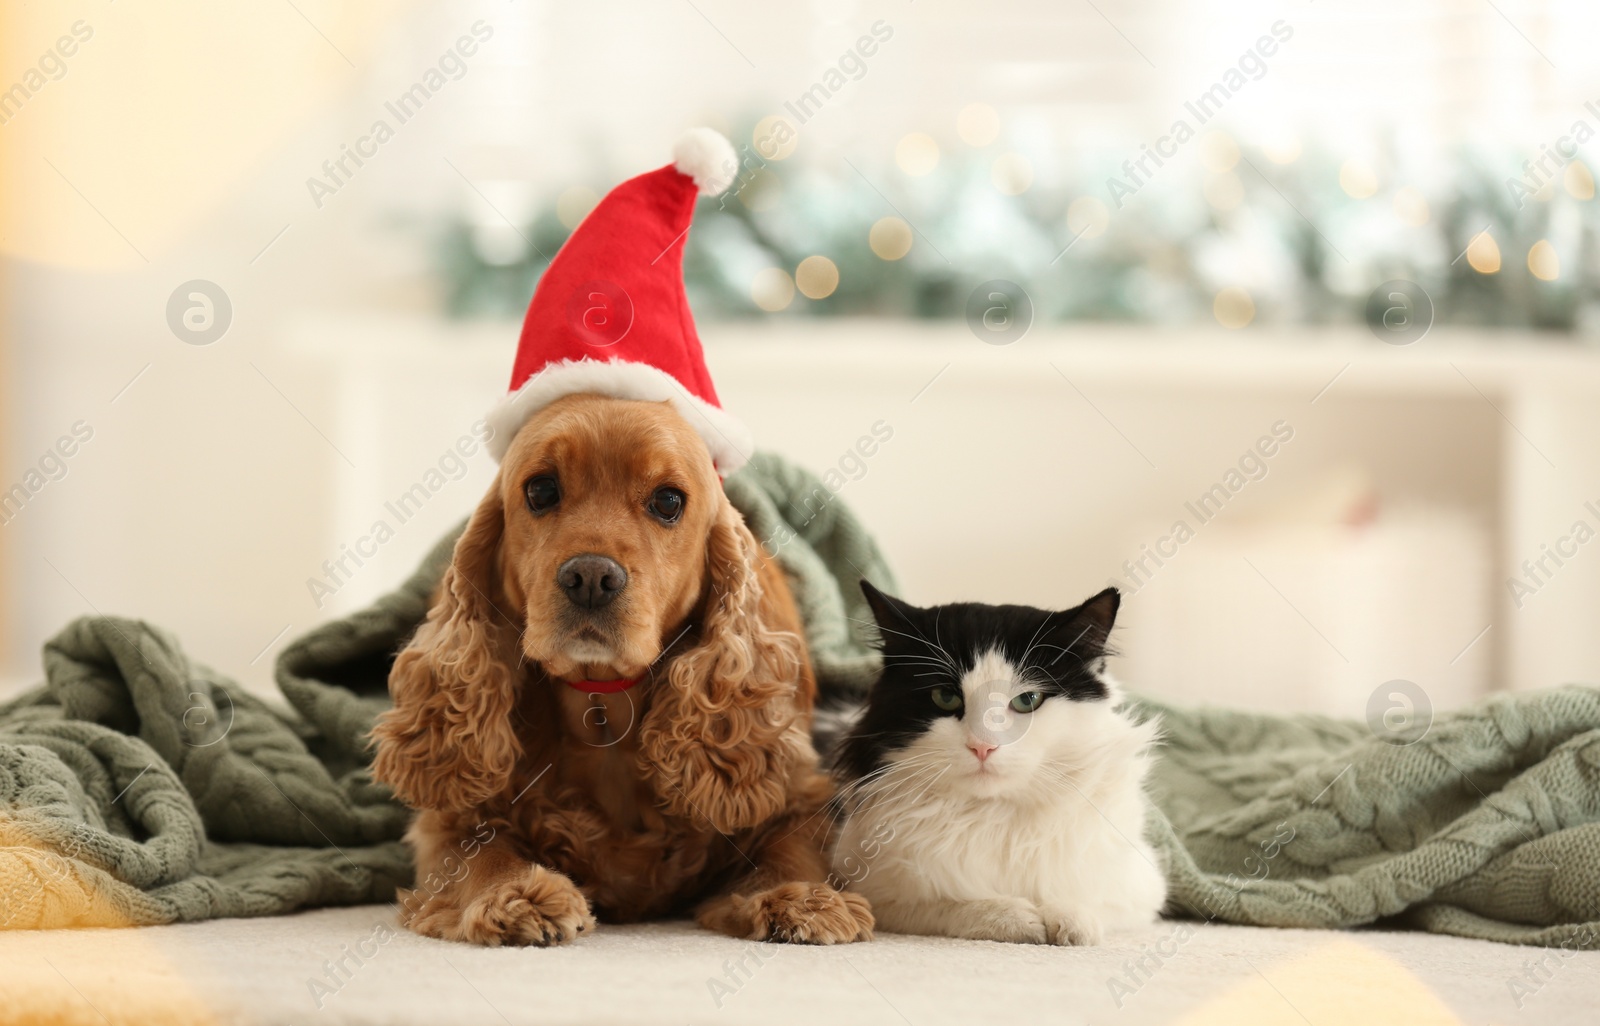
1062,927
1012,920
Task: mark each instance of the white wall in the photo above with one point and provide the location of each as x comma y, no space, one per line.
1380,536
209,493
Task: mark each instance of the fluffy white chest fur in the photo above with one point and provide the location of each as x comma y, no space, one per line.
999,824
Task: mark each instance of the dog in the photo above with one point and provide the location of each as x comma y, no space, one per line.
547,795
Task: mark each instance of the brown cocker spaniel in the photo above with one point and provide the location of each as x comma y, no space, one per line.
548,796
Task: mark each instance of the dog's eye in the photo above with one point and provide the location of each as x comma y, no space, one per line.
948,699
666,505
543,493
1028,701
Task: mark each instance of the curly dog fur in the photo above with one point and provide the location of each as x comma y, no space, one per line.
541,807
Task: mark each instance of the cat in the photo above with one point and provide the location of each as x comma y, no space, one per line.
993,785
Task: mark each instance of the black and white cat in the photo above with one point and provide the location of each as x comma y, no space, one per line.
993,787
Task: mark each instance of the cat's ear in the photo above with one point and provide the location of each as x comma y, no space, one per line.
886,609
1089,626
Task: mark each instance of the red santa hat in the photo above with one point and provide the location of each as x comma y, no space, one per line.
610,315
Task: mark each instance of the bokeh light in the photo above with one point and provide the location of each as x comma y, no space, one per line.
1357,179
1578,180
774,137
574,204
1543,262
1233,307
916,154
890,238
1483,254
817,277
772,289
1283,148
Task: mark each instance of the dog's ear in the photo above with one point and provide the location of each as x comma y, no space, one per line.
449,742
721,739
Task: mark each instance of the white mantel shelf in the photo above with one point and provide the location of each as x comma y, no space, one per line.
1528,406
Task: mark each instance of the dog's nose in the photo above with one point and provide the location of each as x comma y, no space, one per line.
591,581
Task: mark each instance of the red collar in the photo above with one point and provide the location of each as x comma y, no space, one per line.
601,687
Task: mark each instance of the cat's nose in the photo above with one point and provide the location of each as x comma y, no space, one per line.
980,749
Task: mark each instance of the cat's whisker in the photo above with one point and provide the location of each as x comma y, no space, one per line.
1025,842
904,785
914,761
933,645
891,657
856,787
930,781
919,660
894,775
1028,649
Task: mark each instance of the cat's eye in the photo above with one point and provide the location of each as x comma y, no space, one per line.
666,505
1028,701
948,699
543,493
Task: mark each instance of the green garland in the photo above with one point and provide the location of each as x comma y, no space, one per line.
1300,246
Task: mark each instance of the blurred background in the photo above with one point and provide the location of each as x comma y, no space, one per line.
1283,318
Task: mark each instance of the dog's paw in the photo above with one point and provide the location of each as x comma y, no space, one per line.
1079,930
793,913
536,907
1012,920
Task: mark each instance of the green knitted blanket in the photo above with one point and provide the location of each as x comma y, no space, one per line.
140,787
